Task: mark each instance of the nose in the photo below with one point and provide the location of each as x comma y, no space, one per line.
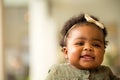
88,47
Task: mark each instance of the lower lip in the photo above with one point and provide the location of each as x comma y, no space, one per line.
87,58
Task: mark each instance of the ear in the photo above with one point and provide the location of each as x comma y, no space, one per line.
104,51
65,52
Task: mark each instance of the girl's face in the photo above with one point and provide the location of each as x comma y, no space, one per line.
85,47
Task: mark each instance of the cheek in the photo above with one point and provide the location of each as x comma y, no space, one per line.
99,56
74,53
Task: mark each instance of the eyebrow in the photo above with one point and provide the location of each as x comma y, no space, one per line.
94,39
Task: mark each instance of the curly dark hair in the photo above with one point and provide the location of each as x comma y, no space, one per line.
79,20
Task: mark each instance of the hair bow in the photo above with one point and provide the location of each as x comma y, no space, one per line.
90,19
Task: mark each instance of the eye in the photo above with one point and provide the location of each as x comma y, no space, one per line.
96,45
80,43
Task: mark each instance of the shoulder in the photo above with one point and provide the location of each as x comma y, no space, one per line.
56,71
103,67
101,70
65,72
107,70
58,68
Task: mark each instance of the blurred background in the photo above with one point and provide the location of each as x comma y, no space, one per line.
29,34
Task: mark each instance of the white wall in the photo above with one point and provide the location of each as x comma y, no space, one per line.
42,37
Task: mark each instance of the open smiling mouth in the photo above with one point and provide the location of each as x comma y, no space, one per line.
87,57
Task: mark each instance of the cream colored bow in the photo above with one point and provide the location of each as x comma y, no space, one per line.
90,19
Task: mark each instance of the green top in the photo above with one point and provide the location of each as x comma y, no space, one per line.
68,72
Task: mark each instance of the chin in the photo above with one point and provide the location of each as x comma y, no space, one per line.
89,67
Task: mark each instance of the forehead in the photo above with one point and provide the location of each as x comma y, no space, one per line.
87,31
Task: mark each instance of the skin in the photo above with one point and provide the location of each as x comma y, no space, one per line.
85,47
